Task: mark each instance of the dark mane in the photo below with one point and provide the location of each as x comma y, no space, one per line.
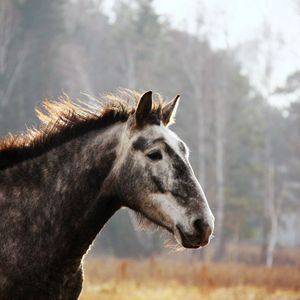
64,119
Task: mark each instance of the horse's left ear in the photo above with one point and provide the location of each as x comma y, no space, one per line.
143,109
169,111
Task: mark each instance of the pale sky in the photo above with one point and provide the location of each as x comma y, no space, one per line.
234,22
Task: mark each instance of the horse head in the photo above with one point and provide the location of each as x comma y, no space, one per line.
155,177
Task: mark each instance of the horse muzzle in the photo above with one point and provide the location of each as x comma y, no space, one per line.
199,236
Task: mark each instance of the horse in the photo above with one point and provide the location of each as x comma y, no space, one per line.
61,183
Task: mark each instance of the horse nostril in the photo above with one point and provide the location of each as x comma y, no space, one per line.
201,226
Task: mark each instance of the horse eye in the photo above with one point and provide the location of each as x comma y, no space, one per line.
155,156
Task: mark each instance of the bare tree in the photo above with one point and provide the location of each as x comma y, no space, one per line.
9,27
271,207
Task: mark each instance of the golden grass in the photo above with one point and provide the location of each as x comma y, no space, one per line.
112,279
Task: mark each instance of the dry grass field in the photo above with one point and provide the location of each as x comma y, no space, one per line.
163,279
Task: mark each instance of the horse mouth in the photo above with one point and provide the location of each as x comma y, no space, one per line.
191,241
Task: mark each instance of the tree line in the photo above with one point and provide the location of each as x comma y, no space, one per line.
245,152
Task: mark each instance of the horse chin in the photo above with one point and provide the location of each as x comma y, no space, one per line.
141,222
144,223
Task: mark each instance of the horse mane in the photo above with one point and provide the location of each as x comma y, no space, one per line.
65,119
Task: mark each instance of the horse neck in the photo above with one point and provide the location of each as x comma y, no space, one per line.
69,188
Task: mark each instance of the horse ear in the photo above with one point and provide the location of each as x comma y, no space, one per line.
169,111
144,108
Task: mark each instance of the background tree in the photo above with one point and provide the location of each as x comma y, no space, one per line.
244,151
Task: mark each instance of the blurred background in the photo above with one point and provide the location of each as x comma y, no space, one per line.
236,65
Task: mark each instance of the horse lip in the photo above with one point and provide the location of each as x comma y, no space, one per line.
187,242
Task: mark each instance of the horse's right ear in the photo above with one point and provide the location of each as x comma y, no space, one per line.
143,109
169,111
